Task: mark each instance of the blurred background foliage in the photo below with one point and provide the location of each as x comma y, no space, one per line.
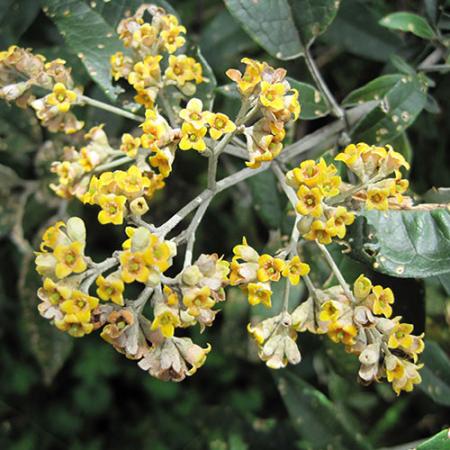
56,392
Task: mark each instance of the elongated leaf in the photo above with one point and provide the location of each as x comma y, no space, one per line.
313,415
88,35
435,373
313,104
414,243
270,24
440,441
356,29
402,145
50,347
373,90
313,17
412,23
398,110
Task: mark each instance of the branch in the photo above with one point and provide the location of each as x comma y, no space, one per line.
110,108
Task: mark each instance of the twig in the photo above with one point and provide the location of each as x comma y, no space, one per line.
168,109
110,108
140,302
111,165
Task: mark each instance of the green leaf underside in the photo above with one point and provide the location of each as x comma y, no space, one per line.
435,373
87,35
413,243
313,104
373,90
398,110
408,22
270,24
440,441
313,17
313,415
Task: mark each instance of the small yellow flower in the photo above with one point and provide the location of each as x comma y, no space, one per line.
146,97
259,293
145,73
309,201
113,208
251,77
309,172
330,311
377,199
130,145
342,218
51,236
131,182
192,138
219,124
120,65
153,130
245,252
70,259
394,161
110,288
144,36
166,321
79,307
269,268
362,287
139,206
55,293
322,231
295,269
133,267
271,95
293,104
157,254
182,69
381,300
342,333
172,39
171,296
163,161
351,154
198,299
61,97
193,113
401,336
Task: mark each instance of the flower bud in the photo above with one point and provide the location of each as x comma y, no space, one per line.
140,239
139,206
191,275
76,229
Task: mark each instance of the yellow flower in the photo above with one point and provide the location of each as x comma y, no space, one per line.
51,236
330,311
402,374
145,73
193,113
351,154
269,268
271,95
192,138
322,231
146,97
110,288
144,36
293,104
219,124
309,201
131,182
166,321
394,161
295,269
55,293
183,68
171,296
130,144
309,172
113,208
381,299
342,333
172,39
362,287
331,182
163,161
133,267
259,293
377,199
401,336
139,206
70,259
342,218
79,307
153,130
251,77
120,65
157,254
197,299
61,97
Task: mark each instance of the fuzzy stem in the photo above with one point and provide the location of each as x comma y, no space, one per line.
110,108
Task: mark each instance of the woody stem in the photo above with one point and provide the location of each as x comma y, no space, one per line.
110,108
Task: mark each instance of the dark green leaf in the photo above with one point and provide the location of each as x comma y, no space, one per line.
87,35
270,24
431,10
402,145
356,29
407,243
313,415
435,373
50,346
9,206
311,100
398,110
437,195
440,441
412,23
313,17
373,90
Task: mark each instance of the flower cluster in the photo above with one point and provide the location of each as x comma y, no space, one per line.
254,272
151,45
384,345
267,91
315,183
20,70
372,165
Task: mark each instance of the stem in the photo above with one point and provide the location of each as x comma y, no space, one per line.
92,274
309,284
111,165
168,109
110,108
140,302
286,296
435,68
336,271
336,110
212,170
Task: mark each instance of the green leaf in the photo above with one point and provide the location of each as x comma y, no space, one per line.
87,35
440,441
397,110
313,104
435,373
8,178
9,207
356,29
314,417
49,346
402,145
405,243
313,17
266,199
373,90
270,24
412,23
